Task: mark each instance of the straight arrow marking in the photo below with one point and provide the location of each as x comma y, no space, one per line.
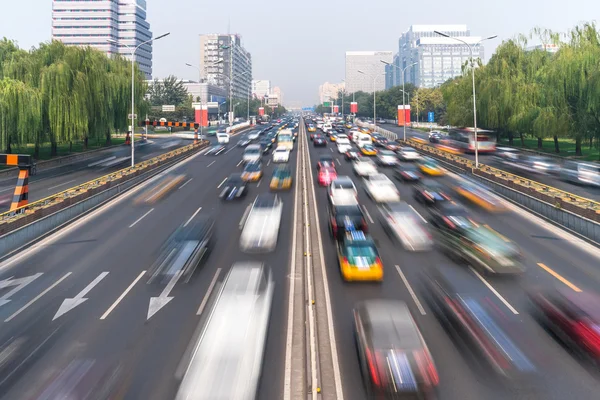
19,283
156,303
70,303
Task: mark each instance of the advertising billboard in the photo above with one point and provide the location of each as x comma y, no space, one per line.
201,115
261,111
404,115
354,107
336,109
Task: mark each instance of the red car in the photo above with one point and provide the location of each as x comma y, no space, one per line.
326,175
325,162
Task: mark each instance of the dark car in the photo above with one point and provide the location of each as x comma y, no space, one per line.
381,141
325,161
393,356
346,218
215,150
265,143
340,129
234,188
244,141
352,155
435,137
430,192
407,173
319,141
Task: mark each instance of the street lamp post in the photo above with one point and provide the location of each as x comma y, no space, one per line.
403,91
133,87
473,76
374,77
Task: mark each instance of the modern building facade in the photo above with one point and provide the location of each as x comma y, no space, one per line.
550,48
278,93
234,72
369,62
438,58
329,91
261,88
114,27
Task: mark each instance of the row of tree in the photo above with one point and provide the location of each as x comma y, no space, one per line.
58,94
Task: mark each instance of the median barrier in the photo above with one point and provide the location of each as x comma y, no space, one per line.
22,226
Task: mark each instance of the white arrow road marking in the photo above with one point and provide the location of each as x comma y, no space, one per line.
70,303
156,303
19,283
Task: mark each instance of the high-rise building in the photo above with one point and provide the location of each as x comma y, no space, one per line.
438,58
392,73
261,88
329,91
106,25
279,93
225,62
372,76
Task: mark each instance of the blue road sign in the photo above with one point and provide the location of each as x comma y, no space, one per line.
430,116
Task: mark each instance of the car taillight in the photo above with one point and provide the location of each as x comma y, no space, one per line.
588,335
371,363
334,225
378,262
449,223
363,225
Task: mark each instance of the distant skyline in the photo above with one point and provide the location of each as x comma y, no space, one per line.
299,45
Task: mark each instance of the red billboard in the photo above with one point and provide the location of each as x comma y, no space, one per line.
201,115
336,109
261,111
354,107
404,115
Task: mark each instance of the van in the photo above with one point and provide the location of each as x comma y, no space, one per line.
364,139
252,153
222,137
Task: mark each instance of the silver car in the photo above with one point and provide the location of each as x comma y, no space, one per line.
261,228
402,223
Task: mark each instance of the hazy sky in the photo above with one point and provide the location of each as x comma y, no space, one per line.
298,45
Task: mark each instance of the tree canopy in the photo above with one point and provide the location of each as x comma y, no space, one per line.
169,91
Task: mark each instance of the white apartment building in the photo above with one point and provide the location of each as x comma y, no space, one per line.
95,23
372,75
261,88
329,91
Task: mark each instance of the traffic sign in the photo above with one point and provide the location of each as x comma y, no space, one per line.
168,108
326,104
430,116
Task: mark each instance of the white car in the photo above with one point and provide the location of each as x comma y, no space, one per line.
253,135
364,167
387,158
261,228
408,154
402,222
222,137
381,189
281,154
343,144
341,189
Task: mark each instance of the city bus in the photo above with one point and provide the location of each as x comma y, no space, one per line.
463,139
285,139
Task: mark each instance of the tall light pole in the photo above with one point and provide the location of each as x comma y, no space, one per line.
133,87
374,77
473,76
403,91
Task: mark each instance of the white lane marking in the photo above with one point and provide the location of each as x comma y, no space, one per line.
331,149
36,298
101,161
141,218
338,161
208,292
268,162
156,303
416,212
368,215
411,291
122,296
62,184
203,151
238,164
70,303
20,283
246,212
229,150
221,184
211,163
192,217
185,183
258,185
7,189
498,295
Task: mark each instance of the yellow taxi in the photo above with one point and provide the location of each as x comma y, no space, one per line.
252,172
333,137
348,125
358,258
430,167
312,128
480,196
368,150
365,130
282,179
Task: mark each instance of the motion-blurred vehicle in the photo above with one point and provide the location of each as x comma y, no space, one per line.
346,216
215,150
281,154
387,158
529,163
332,136
381,121
184,251
392,146
252,172
572,317
265,144
407,173
282,179
161,188
394,359
364,167
581,173
261,227
368,150
435,137
348,125
325,162
222,137
326,176
430,192
343,148
463,239
319,141
233,337
358,257
254,134
234,188
406,153
431,167
352,155
381,189
252,154
244,141
312,128
380,140
480,196
342,187
475,324
340,129
401,222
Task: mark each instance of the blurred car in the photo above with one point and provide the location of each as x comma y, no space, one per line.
387,158
380,140
244,141
319,141
261,228
340,129
461,238
342,188
254,134
400,221
540,164
325,162
160,189
348,125
480,196
392,146
343,148
312,128
364,167
181,254
408,154
358,257
381,121
235,188
476,325
265,144
407,173
252,153
581,173
572,317
352,154
431,167
368,150
332,136
345,217
435,137
394,359
430,192
215,150
252,172
281,154
282,179
326,176
232,336
381,189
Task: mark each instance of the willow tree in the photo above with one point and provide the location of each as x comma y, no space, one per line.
20,113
